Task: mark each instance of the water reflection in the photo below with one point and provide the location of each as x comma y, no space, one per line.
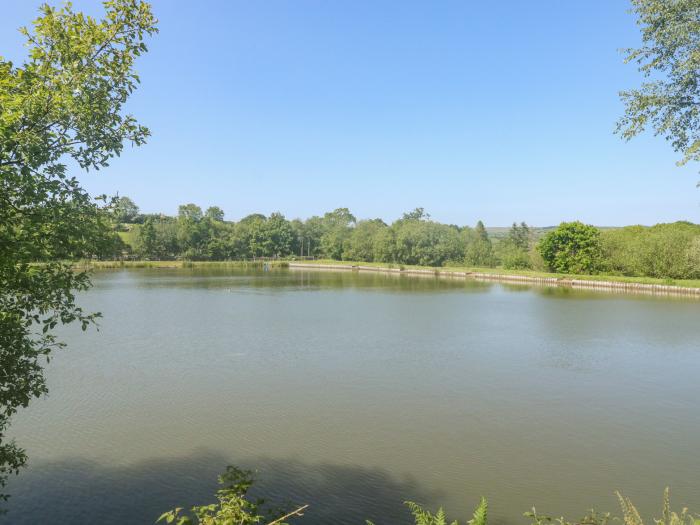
139,493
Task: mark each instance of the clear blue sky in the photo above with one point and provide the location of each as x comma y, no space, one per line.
498,111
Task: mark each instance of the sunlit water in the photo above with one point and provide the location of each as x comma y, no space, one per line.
353,392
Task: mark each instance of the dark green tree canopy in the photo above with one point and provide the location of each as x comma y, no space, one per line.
214,213
189,212
573,247
125,210
417,214
519,236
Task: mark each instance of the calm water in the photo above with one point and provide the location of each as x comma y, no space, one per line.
355,392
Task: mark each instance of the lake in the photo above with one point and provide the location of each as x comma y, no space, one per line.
356,391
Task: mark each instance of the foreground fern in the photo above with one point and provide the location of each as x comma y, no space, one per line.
630,514
234,507
425,517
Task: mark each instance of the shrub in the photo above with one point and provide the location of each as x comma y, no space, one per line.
573,247
233,505
662,251
513,257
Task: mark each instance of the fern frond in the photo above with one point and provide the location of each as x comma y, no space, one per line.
666,516
480,513
630,514
422,516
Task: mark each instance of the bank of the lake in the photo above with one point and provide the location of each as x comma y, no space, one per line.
598,282
688,287
104,265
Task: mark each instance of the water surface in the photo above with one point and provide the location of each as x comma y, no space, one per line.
353,392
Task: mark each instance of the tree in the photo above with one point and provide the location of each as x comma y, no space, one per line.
573,247
662,251
253,227
65,102
519,236
669,101
314,228
513,251
125,210
214,213
418,214
426,243
360,244
481,232
189,211
479,250
340,217
336,227
147,239
278,236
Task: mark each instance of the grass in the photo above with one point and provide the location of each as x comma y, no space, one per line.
130,235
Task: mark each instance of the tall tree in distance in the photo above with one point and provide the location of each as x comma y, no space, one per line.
189,212
214,213
519,236
479,250
669,101
481,232
65,102
124,210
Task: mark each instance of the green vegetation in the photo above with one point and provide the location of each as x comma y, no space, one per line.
425,517
573,247
669,59
65,102
664,251
234,506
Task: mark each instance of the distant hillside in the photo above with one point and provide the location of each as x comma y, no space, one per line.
500,232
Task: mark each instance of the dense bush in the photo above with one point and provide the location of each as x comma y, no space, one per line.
514,252
573,247
664,250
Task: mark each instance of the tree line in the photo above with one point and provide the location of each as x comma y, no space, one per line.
662,251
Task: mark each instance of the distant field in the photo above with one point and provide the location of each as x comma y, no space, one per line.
129,237
500,232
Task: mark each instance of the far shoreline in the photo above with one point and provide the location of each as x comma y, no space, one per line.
613,283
